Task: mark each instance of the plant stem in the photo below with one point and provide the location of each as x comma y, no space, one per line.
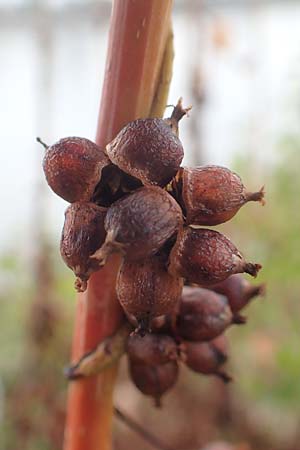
137,42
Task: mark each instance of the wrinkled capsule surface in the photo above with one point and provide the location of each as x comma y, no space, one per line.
211,195
145,289
206,257
139,224
147,149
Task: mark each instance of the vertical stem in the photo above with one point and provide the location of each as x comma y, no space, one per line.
137,40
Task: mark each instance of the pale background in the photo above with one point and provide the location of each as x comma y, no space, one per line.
246,54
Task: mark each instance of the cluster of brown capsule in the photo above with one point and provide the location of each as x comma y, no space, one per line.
133,198
193,335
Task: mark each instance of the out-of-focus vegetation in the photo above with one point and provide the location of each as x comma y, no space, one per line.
36,319
261,407
266,353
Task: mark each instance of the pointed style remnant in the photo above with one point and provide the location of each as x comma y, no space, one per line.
210,195
206,257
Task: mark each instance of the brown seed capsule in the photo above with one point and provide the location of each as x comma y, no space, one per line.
207,357
82,234
145,289
73,167
139,224
149,149
154,380
238,291
203,314
207,257
211,195
151,349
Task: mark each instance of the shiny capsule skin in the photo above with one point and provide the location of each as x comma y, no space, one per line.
73,168
82,234
203,314
206,257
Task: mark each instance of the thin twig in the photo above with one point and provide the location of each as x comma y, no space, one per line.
152,440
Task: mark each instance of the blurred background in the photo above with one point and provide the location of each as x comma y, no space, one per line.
238,63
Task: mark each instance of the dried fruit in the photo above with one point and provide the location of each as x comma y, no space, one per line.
82,234
207,257
208,357
211,195
73,167
203,314
151,349
139,224
239,291
149,149
145,289
154,380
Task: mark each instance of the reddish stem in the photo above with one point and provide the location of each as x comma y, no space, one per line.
137,40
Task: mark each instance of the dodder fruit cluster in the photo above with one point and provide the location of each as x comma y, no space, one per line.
133,198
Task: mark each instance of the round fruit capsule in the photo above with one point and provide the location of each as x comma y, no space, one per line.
207,357
203,314
146,290
151,349
211,195
154,380
139,224
82,234
73,167
238,291
206,257
149,149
